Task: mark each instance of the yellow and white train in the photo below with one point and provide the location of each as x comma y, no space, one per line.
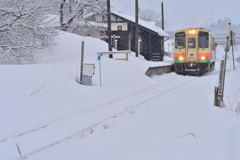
194,51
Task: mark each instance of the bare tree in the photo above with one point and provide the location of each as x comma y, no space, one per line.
24,27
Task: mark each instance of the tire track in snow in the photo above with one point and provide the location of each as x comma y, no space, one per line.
48,124
89,130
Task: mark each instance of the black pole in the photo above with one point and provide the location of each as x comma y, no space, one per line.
232,50
109,28
82,60
163,28
136,28
162,5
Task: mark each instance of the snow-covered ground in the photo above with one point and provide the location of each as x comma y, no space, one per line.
132,117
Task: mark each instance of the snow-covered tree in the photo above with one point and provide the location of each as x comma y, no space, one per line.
74,14
219,27
151,15
25,26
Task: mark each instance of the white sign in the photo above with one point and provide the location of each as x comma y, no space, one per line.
88,69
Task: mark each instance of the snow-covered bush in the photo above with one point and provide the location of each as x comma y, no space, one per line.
25,26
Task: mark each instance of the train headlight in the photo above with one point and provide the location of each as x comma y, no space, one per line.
192,32
203,58
181,58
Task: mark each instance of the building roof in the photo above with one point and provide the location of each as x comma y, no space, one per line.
149,25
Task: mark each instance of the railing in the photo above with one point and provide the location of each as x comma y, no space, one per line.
221,40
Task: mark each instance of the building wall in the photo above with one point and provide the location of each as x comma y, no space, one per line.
122,39
116,25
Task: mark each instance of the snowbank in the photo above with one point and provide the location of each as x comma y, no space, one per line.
50,116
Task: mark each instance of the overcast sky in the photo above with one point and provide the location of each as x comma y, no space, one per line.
186,13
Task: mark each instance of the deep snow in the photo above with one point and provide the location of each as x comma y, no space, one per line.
50,116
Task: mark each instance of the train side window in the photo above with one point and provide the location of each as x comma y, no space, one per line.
191,43
203,40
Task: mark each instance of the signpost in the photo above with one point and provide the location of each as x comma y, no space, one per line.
219,90
100,70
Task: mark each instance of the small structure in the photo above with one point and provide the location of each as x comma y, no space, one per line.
151,37
88,72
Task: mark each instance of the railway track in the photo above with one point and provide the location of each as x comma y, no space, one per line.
65,117
112,115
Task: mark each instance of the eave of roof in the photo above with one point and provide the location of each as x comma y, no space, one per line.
147,25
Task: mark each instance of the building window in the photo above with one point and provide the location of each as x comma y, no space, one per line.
119,28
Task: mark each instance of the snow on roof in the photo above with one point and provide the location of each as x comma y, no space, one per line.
146,24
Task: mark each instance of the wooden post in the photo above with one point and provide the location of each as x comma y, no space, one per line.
19,151
109,27
100,70
82,60
221,72
218,97
136,27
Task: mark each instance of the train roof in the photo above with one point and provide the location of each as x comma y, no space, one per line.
197,29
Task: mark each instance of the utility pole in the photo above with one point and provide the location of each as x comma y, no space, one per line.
136,27
231,42
163,28
109,28
162,6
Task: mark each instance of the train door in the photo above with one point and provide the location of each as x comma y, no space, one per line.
192,48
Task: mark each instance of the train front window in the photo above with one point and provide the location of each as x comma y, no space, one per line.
180,40
203,39
191,43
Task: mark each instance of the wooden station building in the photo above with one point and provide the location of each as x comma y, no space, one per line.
151,37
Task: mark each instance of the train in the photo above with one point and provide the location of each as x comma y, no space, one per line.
194,51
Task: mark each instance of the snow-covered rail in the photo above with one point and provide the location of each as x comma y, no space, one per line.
75,114
113,113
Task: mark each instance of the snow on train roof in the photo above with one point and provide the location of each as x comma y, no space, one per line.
146,24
